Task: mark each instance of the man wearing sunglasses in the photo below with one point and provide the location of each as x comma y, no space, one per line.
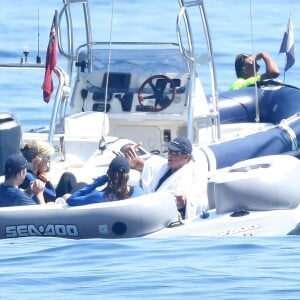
246,68
180,174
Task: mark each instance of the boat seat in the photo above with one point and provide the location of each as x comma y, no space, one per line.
83,131
87,124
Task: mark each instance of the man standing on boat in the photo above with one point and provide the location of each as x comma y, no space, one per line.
180,174
246,68
15,172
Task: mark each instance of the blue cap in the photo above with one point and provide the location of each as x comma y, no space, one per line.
118,164
181,144
14,164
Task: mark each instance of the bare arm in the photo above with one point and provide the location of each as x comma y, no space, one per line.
272,70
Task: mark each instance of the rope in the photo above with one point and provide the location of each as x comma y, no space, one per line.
102,143
284,125
254,69
109,52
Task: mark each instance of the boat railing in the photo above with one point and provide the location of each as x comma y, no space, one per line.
193,60
67,12
21,66
61,96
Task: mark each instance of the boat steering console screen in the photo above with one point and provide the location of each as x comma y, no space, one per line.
117,82
117,87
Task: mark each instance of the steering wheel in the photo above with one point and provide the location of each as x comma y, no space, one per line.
156,86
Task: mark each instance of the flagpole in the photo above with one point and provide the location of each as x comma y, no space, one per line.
257,114
38,58
287,46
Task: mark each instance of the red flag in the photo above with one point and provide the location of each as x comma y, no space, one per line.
51,60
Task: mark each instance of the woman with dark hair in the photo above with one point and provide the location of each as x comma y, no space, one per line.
116,186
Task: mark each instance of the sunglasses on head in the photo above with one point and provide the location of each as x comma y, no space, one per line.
245,55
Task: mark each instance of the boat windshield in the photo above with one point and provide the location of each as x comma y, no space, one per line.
152,61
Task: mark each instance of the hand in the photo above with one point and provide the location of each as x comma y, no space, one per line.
135,161
44,166
40,166
262,55
36,165
272,70
99,181
43,177
37,186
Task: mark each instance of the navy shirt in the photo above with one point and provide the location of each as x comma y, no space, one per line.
12,196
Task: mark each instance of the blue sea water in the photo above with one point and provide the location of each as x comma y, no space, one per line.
142,268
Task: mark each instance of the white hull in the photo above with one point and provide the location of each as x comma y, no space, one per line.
94,108
246,203
262,223
116,219
152,218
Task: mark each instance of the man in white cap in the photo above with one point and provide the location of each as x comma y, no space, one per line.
180,174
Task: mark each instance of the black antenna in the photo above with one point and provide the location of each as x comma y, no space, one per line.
38,58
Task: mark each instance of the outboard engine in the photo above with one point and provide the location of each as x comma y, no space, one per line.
10,138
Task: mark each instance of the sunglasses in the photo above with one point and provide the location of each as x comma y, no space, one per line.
176,153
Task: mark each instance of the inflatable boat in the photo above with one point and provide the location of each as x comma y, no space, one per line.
256,197
116,219
277,131
114,93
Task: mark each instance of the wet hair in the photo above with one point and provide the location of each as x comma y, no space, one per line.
117,183
32,149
